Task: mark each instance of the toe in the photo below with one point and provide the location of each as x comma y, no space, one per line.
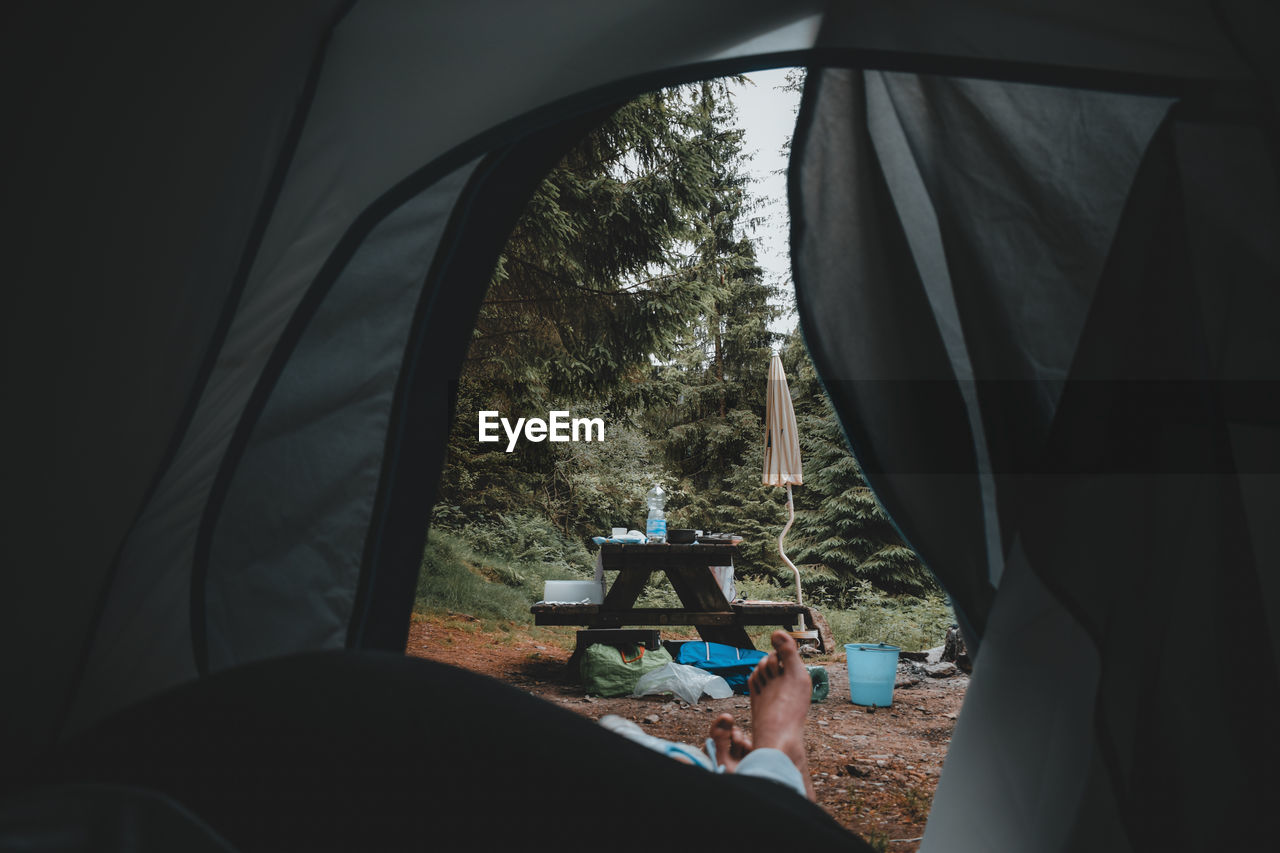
783,643
785,647
761,675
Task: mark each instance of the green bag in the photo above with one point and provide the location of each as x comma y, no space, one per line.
613,671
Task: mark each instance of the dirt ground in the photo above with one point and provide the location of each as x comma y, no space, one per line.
873,771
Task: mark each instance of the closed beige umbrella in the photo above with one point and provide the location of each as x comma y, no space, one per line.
781,441
782,460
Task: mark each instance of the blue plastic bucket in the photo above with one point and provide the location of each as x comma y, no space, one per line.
873,668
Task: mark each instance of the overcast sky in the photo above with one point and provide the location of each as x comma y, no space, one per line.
768,116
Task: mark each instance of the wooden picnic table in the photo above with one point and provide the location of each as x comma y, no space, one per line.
705,607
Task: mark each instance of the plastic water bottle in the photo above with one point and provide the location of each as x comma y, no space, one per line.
655,528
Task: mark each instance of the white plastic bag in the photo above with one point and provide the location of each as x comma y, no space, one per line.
687,682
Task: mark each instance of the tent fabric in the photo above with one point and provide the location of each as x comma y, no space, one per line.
493,193
964,163
149,139
1052,349
340,371
1088,318
343,394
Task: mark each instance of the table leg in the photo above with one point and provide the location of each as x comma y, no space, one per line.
699,593
626,589
729,635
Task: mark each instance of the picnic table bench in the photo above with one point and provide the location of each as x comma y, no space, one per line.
704,607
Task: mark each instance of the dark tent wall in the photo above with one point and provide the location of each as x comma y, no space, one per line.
144,141
983,213
1033,272
244,234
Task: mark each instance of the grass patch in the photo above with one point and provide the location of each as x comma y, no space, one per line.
454,577
909,622
496,571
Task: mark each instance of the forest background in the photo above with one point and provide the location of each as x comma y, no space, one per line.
630,290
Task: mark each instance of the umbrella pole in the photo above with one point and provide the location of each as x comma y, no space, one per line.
791,511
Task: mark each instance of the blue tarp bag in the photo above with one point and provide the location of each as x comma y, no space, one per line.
732,664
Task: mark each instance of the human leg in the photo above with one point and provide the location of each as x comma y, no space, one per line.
780,688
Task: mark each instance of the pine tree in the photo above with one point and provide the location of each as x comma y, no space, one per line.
582,295
840,526
593,280
711,436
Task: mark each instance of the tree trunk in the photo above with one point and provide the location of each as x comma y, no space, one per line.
719,357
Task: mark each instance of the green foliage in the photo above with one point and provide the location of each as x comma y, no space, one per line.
455,578
595,486
593,283
658,592
523,550
574,306
496,569
909,622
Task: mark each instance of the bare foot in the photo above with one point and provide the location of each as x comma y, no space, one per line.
780,689
732,743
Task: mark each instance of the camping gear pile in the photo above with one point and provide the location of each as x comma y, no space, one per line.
696,669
